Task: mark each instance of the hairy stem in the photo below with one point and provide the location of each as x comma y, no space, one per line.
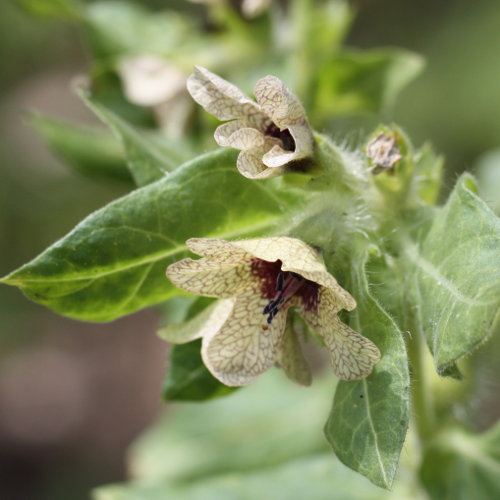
421,390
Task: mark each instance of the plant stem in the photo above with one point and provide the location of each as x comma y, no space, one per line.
421,390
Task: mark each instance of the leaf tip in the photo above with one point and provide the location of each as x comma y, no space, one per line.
9,280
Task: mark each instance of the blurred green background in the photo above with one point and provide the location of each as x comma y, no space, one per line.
73,395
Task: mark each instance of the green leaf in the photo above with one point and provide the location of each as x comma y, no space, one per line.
90,151
68,9
428,173
369,418
115,28
488,172
456,275
266,423
314,477
263,441
113,263
188,379
364,81
146,162
462,466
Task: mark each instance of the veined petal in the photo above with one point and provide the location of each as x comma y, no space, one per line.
246,139
278,157
292,360
279,103
212,277
216,248
352,355
224,131
298,257
242,349
303,138
252,167
207,322
219,97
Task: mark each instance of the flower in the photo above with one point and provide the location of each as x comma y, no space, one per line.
249,8
258,280
271,133
150,80
153,82
384,152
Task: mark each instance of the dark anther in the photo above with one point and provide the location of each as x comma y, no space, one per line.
279,281
273,305
287,284
283,135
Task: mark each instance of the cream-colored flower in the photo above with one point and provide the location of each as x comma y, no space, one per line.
258,280
271,133
249,8
150,80
153,82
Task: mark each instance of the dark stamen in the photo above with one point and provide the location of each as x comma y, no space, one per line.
280,287
279,281
287,284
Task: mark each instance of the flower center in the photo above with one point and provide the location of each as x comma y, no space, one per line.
283,135
287,285
279,287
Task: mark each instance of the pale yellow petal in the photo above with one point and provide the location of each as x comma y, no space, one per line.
352,356
252,167
325,313
219,97
238,135
303,138
207,322
279,103
149,80
291,358
216,248
224,131
252,8
212,277
245,346
278,157
299,258
246,139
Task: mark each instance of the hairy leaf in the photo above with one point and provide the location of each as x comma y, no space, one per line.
313,477
90,151
358,82
460,466
188,379
146,162
116,28
456,275
261,442
266,423
488,172
113,263
369,418
428,174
